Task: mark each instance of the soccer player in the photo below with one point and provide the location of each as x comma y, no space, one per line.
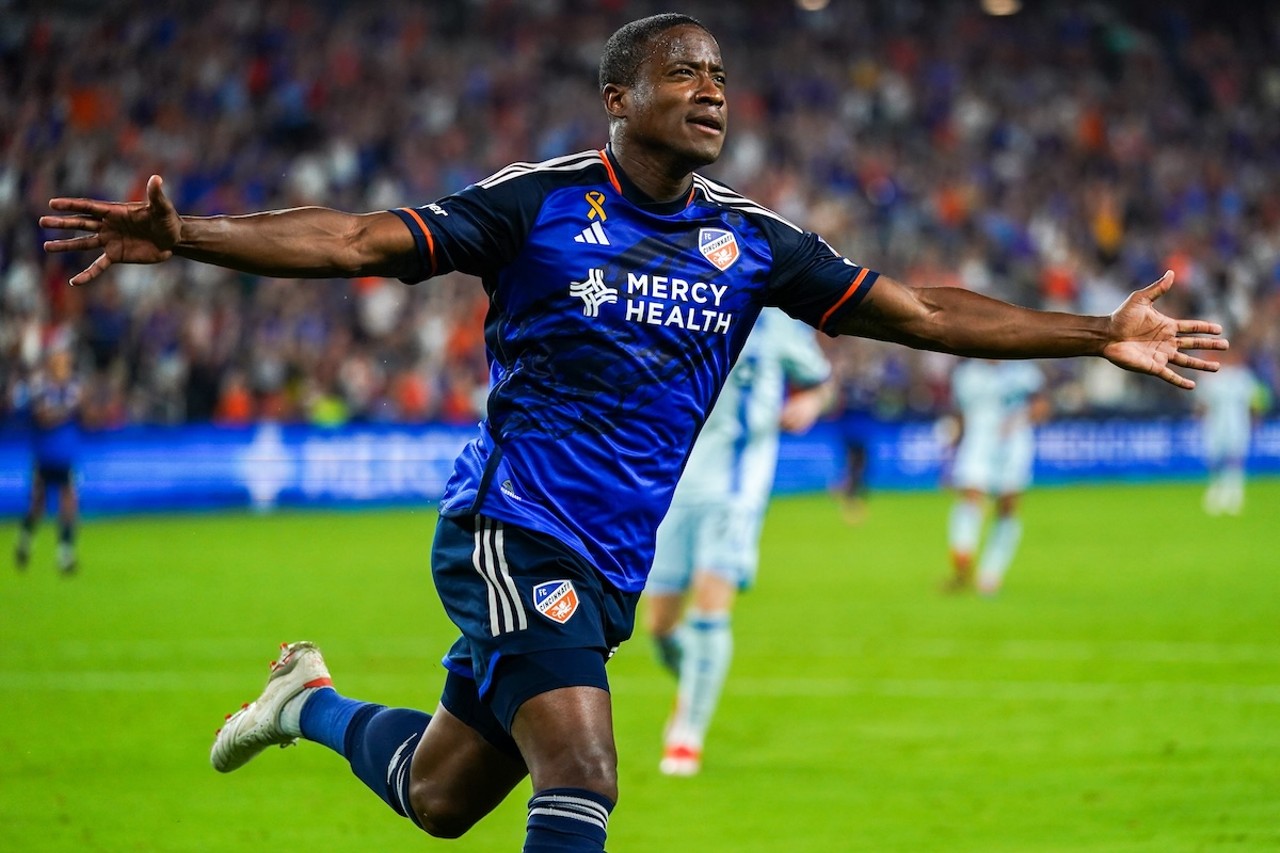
708,545
55,412
622,287
998,403
1228,405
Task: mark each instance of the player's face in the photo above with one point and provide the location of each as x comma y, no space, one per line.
678,101
59,365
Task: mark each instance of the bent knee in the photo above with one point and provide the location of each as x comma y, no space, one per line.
440,814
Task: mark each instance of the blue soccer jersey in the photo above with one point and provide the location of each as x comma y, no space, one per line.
55,415
613,323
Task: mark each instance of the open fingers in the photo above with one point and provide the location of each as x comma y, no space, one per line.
90,206
1200,327
74,244
155,193
91,272
1159,287
1202,343
71,223
1168,375
1195,363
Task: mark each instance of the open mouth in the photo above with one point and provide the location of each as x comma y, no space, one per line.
708,123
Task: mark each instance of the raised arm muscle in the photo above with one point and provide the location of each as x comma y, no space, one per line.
303,242
959,321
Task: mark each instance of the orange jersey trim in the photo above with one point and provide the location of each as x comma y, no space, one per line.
431,243
853,288
608,167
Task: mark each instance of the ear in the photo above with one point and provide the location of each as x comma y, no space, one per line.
616,99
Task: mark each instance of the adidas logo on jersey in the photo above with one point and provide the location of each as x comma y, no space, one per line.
593,234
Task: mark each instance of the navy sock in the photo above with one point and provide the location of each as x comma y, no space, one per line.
325,717
379,742
567,820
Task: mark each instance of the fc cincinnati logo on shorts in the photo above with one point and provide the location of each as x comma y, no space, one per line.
556,600
718,246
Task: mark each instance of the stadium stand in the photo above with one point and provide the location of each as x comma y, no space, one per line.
1058,157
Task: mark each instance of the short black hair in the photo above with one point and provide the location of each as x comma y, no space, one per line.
626,49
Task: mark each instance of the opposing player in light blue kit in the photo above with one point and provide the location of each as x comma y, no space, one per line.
709,543
1228,403
622,287
998,404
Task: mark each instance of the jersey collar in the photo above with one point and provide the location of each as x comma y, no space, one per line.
637,196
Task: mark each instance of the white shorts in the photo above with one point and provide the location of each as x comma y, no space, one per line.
995,467
720,538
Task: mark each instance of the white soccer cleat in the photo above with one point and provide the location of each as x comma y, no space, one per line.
679,759
258,725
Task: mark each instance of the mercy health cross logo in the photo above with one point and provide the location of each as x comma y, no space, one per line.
556,600
593,292
718,246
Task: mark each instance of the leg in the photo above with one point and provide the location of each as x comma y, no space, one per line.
662,618
1001,545
438,771
964,529
30,521
669,580
708,654
1231,484
855,488
68,515
458,777
566,736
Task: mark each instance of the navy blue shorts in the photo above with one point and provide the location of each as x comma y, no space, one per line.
534,615
54,474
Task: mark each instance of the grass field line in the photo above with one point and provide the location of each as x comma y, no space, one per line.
1174,652
416,648
170,681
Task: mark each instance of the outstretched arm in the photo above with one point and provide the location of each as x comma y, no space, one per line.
1135,336
305,242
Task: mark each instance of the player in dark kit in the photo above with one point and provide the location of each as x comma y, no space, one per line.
621,287
55,413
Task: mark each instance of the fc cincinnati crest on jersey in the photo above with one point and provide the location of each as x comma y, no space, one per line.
718,246
556,600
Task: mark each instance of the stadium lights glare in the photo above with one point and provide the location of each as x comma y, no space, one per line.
1001,7
812,5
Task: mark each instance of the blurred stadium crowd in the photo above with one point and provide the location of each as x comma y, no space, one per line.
1059,158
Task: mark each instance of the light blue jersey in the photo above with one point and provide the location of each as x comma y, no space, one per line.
997,447
1228,398
718,508
737,451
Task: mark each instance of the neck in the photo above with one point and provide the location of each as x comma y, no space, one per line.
661,181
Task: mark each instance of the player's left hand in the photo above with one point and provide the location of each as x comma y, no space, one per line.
1145,341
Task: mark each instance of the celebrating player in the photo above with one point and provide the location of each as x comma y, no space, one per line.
622,287
709,543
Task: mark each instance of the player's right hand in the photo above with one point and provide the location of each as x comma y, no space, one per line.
138,232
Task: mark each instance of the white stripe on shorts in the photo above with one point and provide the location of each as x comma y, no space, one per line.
506,611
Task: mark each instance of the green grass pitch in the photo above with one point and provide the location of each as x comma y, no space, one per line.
1122,694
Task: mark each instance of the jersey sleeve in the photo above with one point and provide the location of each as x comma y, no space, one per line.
812,281
476,231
